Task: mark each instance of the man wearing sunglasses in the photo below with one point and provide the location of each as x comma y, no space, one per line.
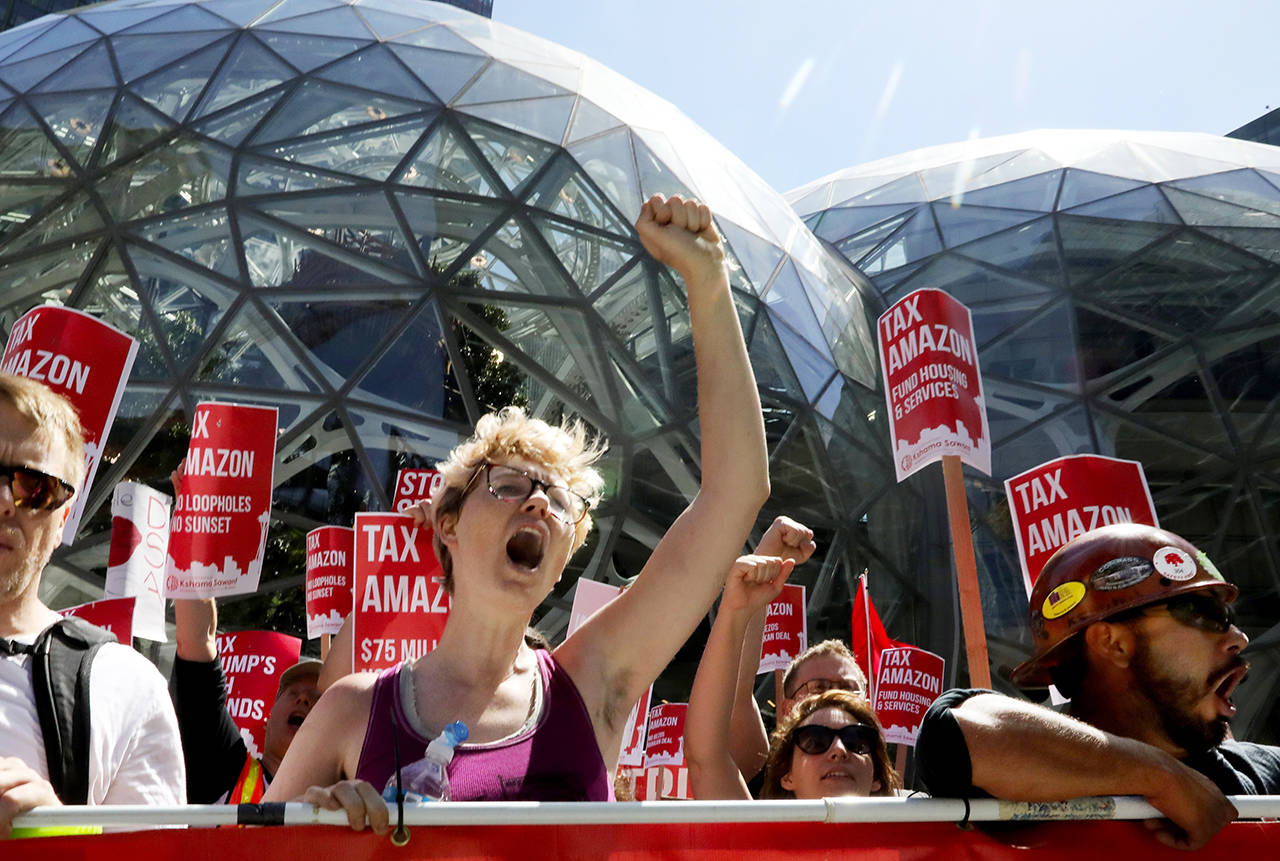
132,755
1135,625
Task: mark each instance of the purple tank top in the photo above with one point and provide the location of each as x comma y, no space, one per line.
557,760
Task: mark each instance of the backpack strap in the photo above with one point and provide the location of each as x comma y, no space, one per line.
61,659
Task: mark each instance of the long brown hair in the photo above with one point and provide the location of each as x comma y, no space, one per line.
782,744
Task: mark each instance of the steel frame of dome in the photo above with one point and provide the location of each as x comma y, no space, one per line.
1125,289
385,217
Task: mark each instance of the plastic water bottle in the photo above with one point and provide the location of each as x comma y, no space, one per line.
428,778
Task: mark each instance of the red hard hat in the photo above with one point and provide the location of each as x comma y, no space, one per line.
1104,572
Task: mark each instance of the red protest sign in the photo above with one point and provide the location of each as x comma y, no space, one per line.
401,603
932,384
588,597
113,614
1058,500
786,631
84,360
907,681
665,742
219,528
253,662
330,586
414,486
136,561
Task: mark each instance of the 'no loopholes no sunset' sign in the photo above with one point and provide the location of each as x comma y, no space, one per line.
932,385
330,560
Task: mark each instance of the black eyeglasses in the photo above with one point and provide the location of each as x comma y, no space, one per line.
815,739
34,489
1205,612
813,687
515,486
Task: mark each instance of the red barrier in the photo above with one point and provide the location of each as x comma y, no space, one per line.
1068,841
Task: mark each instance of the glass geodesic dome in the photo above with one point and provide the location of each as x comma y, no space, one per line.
385,218
1125,290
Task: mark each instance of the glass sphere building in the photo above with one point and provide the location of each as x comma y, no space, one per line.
1125,290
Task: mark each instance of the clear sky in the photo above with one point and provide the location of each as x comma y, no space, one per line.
801,88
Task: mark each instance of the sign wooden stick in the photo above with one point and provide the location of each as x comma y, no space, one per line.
975,630
324,646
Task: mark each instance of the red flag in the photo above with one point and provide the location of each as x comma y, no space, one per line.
869,635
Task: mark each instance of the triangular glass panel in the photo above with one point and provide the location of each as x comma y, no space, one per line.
565,191
308,52
1175,165
1242,187
589,120
1107,344
788,301
515,157
76,118
627,310
239,12
437,35
361,222
184,19
1092,246
90,71
965,223
233,126
655,176
114,18
542,118
813,369
1030,251
1034,345
269,177
589,258
444,227
1209,212
1018,428
110,296
1025,165
759,257
859,245
339,22
251,352
69,31
953,178
907,189
49,276
1120,160
843,190
139,55
250,69
557,342
1034,192
514,260
293,9
1264,242
1162,454
1158,409
377,69
188,303
503,83
133,125
915,240
338,335
370,151
838,224
1084,186
444,72
410,370
387,25
447,163
73,218
25,150
1247,383
19,203
22,75
897,282
318,106
203,238
174,90
640,406
1141,204
972,283
609,161
805,483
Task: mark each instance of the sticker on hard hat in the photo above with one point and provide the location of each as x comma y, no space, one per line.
1121,573
1062,599
1209,567
1174,563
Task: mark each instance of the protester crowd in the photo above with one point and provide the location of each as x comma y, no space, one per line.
1150,655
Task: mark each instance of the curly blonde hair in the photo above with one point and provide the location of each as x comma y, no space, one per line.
782,743
51,412
566,451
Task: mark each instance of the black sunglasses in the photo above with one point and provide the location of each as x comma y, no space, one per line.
34,489
1200,611
815,739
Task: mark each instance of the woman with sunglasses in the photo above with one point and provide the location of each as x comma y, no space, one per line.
514,506
829,744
